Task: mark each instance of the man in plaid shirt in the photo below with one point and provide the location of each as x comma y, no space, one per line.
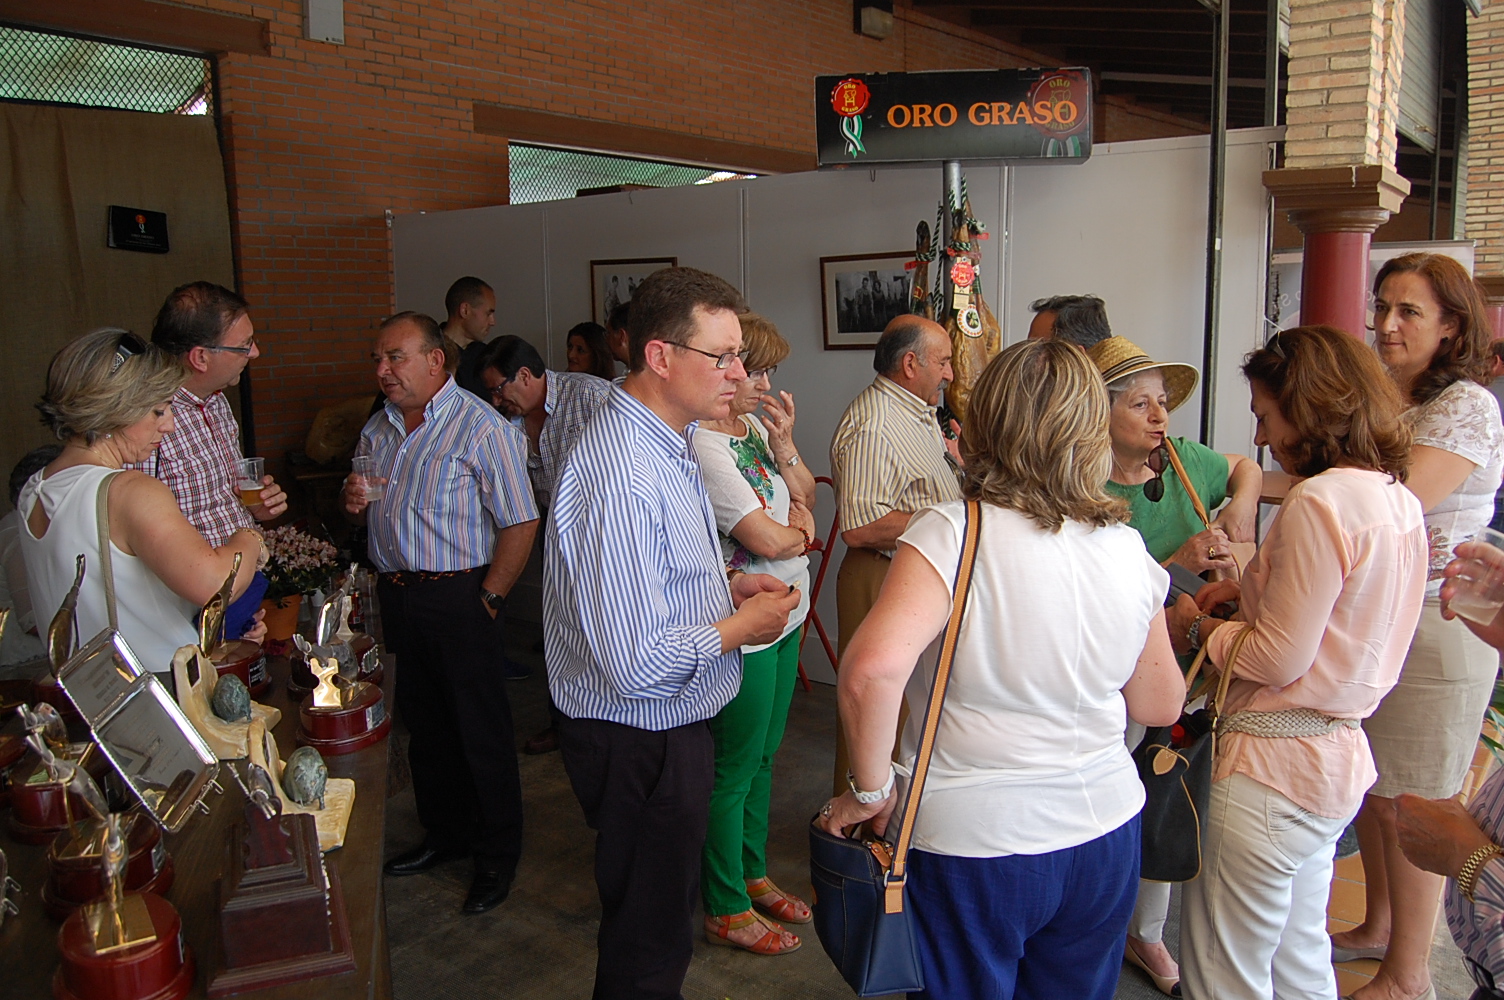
209,329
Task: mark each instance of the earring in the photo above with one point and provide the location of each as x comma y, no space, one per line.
108,436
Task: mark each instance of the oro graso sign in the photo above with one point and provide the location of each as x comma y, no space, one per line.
1005,114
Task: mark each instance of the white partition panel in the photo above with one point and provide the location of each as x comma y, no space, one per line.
1129,225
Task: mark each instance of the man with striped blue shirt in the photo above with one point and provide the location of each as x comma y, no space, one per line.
450,535
643,631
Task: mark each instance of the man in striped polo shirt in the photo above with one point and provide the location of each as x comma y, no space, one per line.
888,459
449,536
643,631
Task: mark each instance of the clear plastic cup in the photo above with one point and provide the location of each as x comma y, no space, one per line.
1480,587
364,466
248,480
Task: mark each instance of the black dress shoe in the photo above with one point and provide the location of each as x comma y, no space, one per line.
488,890
420,859
544,742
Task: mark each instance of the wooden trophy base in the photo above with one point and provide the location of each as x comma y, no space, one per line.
362,722
40,809
247,661
76,875
160,969
282,910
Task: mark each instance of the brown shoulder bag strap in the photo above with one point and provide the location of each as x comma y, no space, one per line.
893,895
102,515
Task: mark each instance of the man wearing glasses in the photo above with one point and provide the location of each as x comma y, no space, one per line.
643,631
208,328
552,408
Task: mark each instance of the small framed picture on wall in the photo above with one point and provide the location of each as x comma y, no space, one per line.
861,293
613,282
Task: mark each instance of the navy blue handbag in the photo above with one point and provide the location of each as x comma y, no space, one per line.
858,901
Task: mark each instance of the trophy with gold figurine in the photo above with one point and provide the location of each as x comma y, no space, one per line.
217,702
76,868
343,713
333,635
238,658
124,944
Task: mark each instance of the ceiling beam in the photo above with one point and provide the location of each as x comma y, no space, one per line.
168,26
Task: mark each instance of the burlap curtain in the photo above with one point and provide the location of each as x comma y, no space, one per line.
60,169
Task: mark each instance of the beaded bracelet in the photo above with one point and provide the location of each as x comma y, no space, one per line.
1467,878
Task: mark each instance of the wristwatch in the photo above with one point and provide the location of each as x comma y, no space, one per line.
867,798
1193,634
493,601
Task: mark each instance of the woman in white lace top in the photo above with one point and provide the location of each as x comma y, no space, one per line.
1431,331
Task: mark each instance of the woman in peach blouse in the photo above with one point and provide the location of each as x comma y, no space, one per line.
1330,604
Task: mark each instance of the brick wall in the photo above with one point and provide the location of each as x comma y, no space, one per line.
1343,102
1484,162
322,140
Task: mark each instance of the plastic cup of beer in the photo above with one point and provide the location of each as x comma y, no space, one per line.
249,480
364,466
1480,585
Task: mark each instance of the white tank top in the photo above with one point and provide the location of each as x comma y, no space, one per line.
154,621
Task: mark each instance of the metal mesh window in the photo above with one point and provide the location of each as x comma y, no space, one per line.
539,173
57,69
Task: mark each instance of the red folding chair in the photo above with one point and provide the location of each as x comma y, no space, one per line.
823,547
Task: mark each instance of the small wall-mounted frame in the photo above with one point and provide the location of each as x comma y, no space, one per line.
861,293
613,282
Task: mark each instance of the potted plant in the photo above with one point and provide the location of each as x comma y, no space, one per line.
299,564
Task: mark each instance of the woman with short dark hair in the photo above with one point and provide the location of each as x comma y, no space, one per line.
108,400
1432,333
1025,857
1327,608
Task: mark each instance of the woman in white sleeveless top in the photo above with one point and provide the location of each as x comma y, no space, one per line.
108,399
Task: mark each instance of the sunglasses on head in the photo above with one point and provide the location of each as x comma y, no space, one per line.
128,346
1158,461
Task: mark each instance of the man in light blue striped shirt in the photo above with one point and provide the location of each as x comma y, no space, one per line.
643,631
450,535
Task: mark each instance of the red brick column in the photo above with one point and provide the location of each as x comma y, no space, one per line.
1337,209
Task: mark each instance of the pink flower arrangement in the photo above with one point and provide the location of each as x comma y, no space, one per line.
299,562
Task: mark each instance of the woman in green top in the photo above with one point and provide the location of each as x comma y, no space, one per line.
1143,393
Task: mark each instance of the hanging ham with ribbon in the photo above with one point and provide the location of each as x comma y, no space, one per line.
919,287
975,336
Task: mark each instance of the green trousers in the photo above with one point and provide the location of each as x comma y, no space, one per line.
747,734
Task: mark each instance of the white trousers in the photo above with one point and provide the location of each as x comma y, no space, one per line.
1253,924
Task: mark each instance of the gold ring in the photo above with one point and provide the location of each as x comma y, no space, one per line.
1211,552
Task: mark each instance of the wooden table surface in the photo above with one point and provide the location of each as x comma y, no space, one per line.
200,851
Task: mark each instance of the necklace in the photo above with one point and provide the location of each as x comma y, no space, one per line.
1126,476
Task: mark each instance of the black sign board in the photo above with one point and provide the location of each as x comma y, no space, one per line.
137,229
1005,114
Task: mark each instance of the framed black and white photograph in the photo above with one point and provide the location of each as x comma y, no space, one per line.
613,282
861,293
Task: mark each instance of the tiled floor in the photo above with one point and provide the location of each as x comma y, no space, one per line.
1345,909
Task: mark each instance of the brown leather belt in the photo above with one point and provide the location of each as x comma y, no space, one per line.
407,577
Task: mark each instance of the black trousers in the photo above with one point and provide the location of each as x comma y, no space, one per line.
647,796
453,697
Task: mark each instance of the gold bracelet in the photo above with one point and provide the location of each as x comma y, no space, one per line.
1467,878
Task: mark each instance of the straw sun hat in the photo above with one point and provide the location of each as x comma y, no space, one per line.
1119,357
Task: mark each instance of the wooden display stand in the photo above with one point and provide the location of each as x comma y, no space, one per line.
40,807
337,720
282,912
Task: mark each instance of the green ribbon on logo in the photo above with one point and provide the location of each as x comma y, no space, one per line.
851,128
